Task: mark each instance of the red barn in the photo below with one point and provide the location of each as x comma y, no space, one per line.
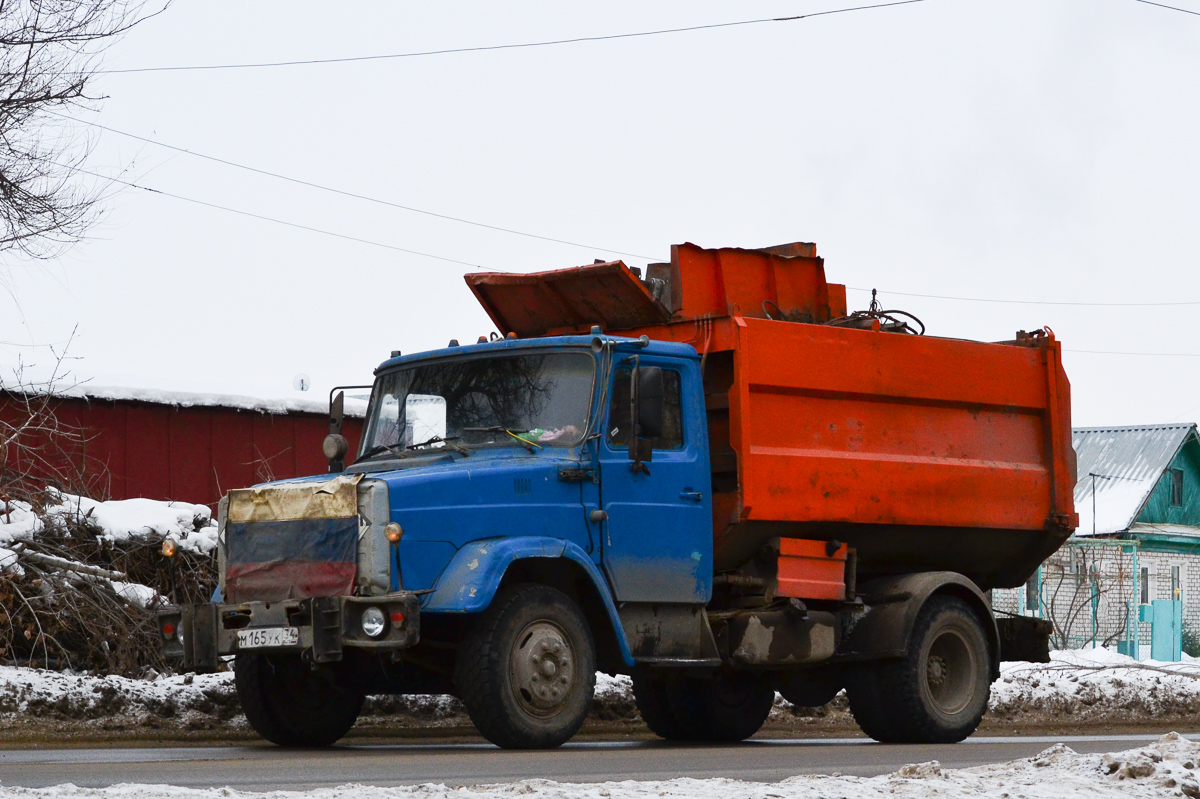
172,445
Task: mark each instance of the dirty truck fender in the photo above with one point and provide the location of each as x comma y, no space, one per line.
473,576
895,602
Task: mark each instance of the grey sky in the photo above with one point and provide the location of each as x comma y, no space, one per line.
975,148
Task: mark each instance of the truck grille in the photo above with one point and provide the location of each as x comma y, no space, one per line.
291,541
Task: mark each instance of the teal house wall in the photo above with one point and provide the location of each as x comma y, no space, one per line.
1158,508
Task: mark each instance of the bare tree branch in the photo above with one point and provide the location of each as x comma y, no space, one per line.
49,52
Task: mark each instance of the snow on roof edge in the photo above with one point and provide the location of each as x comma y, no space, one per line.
188,399
1133,427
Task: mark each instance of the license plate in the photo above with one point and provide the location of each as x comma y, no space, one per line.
261,637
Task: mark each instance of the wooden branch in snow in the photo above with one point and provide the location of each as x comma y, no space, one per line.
70,565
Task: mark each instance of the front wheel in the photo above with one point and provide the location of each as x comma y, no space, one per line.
290,704
527,671
937,692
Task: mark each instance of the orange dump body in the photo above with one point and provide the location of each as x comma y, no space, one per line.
920,453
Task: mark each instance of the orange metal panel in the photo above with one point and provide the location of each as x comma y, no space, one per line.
605,294
807,572
841,425
732,281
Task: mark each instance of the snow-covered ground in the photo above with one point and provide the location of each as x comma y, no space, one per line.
1165,768
1083,686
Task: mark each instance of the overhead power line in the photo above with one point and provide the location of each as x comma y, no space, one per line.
1036,302
354,195
1173,8
550,43
1150,354
264,218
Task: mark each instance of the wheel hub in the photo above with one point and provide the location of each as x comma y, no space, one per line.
949,670
937,671
542,668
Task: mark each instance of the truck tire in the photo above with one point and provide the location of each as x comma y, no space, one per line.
527,670
289,704
937,692
651,693
730,706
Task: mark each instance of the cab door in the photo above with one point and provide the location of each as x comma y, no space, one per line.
657,540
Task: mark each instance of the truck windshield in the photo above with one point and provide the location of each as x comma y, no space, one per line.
494,400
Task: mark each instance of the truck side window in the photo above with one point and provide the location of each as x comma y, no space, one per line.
618,418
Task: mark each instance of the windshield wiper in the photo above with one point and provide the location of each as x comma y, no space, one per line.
392,449
448,442
513,433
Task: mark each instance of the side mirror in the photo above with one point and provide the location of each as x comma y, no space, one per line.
645,412
649,402
335,445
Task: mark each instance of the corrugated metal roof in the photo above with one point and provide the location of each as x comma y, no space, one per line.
1165,529
1127,462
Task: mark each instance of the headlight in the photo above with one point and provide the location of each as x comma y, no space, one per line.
373,622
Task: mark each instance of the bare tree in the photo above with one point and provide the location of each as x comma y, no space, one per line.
40,447
1085,594
49,54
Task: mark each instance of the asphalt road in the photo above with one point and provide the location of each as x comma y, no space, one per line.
267,768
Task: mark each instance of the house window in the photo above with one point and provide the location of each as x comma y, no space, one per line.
1176,487
1144,581
1031,592
1177,583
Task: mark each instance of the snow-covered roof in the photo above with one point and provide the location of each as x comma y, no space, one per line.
1124,464
186,399
1165,529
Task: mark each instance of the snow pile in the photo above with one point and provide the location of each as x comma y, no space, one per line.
18,520
190,526
1166,768
65,696
1089,684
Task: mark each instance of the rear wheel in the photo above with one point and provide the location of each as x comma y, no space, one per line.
527,671
290,704
730,706
936,693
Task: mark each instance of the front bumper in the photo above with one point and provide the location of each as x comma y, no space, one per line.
198,635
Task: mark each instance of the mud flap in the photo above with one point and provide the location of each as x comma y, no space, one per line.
198,628
1024,638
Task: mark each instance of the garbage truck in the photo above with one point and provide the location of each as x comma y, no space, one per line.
710,477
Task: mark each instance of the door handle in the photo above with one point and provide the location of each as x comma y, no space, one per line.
692,495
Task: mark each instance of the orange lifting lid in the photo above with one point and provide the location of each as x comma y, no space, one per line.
566,300
787,281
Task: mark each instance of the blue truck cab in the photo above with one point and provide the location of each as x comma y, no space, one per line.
519,514
512,457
